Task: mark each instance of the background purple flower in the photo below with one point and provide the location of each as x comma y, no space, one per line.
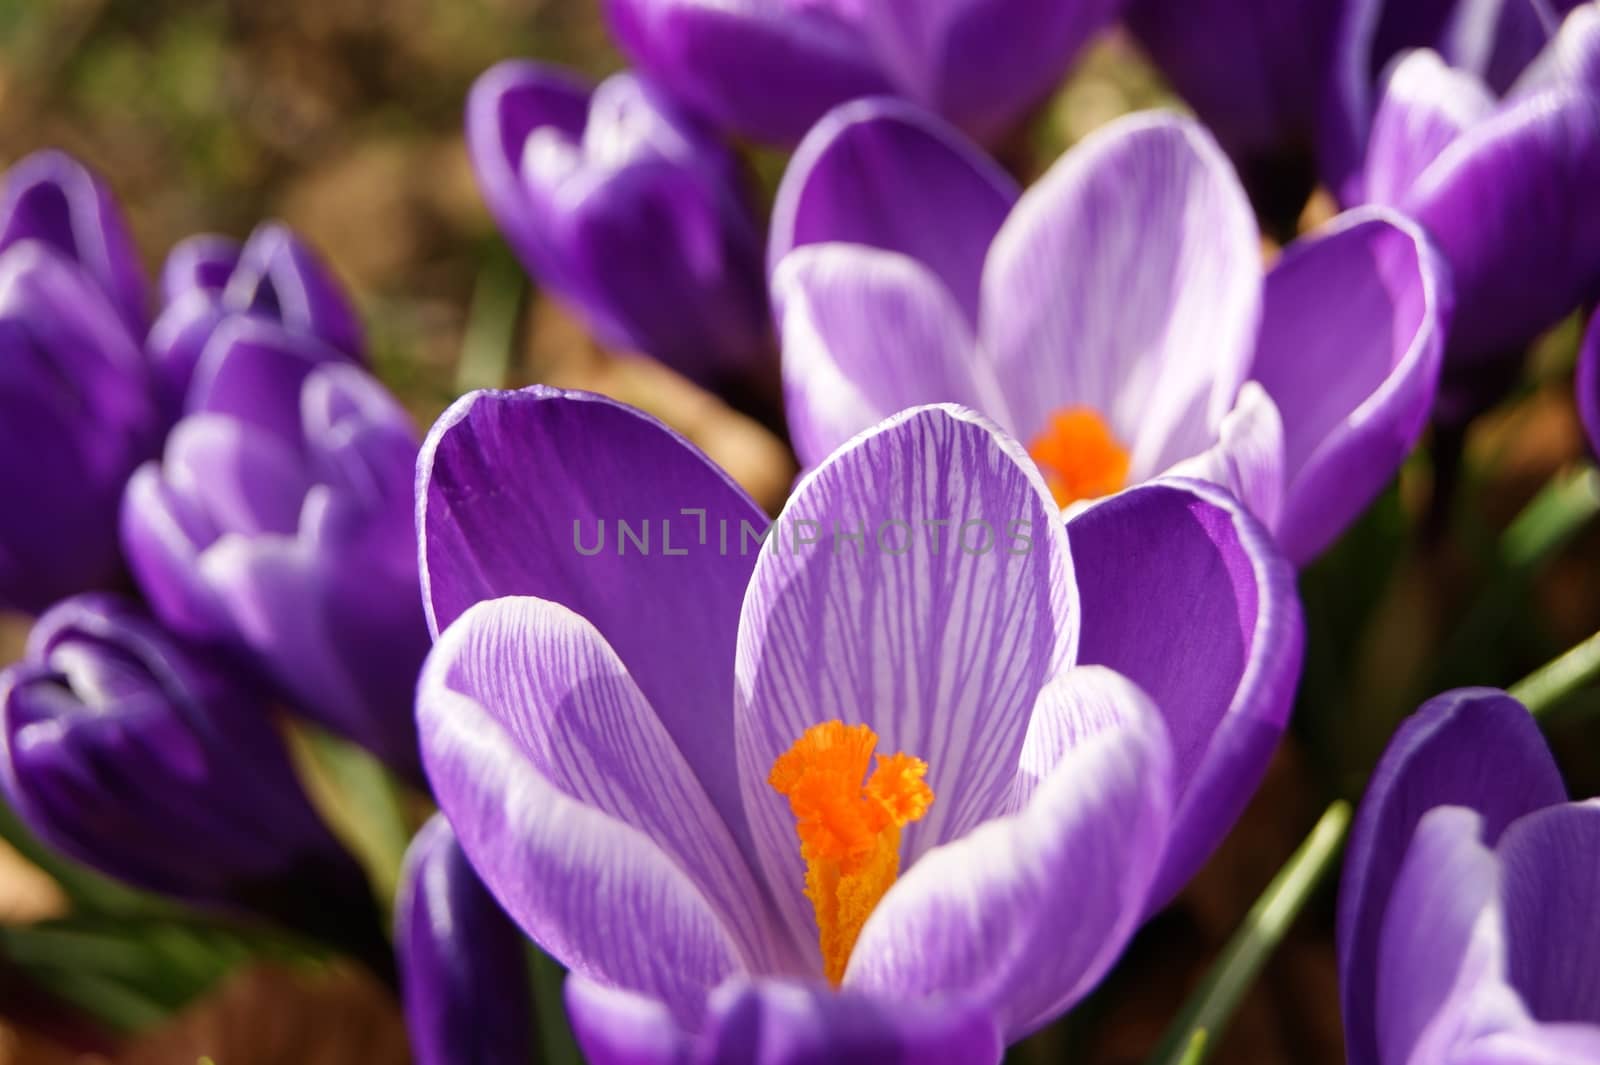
77,415
273,275
1256,72
1124,290
52,198
605,765
278,522
463,964
629,210
768,69
1494,147
1469,916
142,757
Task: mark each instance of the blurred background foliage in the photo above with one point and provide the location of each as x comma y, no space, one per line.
342,117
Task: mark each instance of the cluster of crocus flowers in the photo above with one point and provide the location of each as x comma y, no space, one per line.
136,753
1114,317
816,792
277,524
1469,915
628,209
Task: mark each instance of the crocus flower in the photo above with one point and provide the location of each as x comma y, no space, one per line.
278,523
142,757
1256,72
52,198
1587,385
1503,185
768,69
273,275
659,757
1469,916
1114,317
77,415
629,210
463,964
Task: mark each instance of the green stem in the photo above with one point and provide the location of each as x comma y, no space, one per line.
1555,680
1204,1018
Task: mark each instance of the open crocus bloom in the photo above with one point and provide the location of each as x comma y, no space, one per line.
1504,185
1469,916
660,758
1114,317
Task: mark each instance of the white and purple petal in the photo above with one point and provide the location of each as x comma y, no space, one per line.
528,493
985,917
580,813
1128,280
936,623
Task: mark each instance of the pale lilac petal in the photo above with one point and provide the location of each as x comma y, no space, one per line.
1496,39
1552,907
1442,937
1473,747
940,646
867,334
1183,592
1510,205
1247,458
986,917
1352,337
163,529
252,369
246,482
891,176
1128,280
1545,1044
578,810
512,490
203,263
1425,105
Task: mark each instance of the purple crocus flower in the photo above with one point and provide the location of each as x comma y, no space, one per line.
1469,916
1587,385
140,756
273,275
77,415
463,964
629,210
1114,317
1256,72
1497,157
609,725
769,69
52,198
278,523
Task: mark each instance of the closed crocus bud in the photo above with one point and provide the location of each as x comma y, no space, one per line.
463,964
273,275
768,69
128,750
279,523
52,198
631,212
77,415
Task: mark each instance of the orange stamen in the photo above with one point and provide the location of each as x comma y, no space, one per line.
849,831
1079,457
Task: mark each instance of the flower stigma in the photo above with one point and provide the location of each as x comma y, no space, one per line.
849,830
1079,457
